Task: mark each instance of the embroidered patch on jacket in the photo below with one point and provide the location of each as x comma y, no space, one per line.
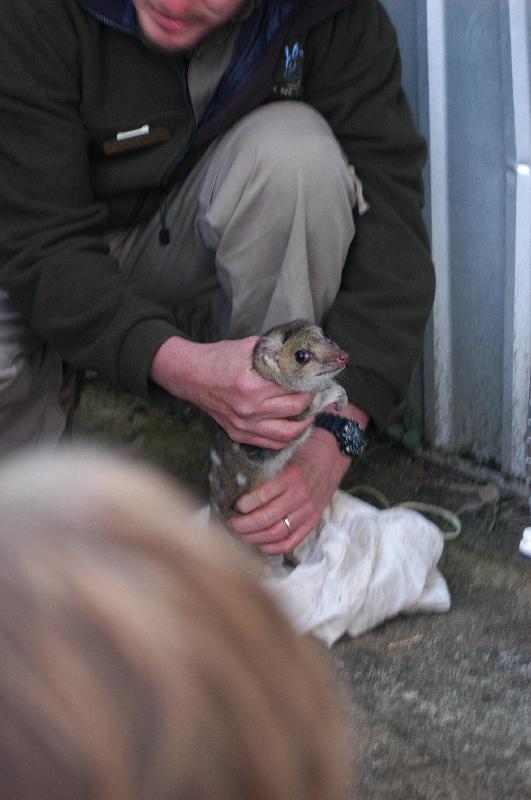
291,82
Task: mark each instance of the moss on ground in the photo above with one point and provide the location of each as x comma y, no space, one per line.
173,439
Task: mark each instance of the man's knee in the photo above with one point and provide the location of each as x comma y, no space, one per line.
291,140
278,160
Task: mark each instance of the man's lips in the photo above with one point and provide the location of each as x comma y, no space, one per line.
170,24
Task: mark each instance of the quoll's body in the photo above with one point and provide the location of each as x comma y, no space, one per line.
300,357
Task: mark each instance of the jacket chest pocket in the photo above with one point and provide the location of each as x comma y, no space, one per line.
129,140
134,135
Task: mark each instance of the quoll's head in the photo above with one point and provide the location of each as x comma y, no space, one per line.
301,355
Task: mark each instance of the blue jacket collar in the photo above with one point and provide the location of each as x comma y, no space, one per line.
119,14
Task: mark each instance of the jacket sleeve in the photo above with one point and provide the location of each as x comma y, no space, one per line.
352,76
54,263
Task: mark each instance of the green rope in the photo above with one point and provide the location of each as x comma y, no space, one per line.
425,509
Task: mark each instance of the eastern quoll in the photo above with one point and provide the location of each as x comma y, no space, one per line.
300,357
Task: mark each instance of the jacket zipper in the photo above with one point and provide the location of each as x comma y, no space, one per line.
110,23
164,234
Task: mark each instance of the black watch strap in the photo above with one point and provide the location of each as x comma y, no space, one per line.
350,436
330,422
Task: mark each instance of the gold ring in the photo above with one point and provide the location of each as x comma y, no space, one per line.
287,523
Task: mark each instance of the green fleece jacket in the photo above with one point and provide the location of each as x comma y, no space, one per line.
70,81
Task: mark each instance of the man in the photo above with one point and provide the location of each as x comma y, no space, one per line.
160,156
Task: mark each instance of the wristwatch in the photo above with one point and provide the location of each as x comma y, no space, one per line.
350,436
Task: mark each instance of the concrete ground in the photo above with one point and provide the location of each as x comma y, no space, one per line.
441,704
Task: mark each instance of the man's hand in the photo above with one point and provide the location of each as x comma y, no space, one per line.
219,379
301,491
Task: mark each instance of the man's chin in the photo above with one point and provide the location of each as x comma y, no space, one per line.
169,41
166,46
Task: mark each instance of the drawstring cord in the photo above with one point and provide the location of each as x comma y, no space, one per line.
164,234
449,532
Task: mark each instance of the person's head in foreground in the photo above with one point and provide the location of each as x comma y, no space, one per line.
139,660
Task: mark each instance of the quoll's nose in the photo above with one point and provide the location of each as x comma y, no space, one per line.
343,357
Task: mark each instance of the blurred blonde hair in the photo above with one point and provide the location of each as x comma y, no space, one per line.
139,658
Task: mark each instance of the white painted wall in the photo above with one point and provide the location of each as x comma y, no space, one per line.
466,66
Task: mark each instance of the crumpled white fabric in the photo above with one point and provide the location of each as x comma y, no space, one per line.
362,567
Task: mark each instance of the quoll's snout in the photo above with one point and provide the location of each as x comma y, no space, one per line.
343,358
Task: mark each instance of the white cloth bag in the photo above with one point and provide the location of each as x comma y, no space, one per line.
363,566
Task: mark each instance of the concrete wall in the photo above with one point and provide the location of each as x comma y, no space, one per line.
466,70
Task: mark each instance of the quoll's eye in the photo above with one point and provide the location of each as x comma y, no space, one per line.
327,337
302,356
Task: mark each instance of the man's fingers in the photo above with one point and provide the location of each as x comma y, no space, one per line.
283,430
285,405
262,495
279,531
268,433
279,407
290,543
264,515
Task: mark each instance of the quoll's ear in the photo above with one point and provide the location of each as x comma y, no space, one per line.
269,351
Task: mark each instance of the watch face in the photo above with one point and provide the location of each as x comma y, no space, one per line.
353,439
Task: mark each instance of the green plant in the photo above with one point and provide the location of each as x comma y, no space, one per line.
408,431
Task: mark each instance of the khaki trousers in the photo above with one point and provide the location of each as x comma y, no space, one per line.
259,233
